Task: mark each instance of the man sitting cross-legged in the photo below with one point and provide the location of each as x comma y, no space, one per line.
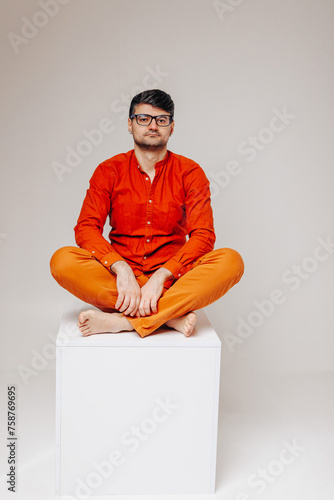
159,265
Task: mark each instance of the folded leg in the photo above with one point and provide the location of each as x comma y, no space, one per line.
211,277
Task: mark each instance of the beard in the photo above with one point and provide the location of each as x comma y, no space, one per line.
148,143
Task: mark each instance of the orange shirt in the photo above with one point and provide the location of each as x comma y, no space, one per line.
149,222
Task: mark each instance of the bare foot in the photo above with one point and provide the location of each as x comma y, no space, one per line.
184,324
91,322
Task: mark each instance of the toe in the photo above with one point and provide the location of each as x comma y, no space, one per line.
82,317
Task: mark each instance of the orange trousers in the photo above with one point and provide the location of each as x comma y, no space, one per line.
211,277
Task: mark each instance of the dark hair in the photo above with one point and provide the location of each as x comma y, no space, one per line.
154,97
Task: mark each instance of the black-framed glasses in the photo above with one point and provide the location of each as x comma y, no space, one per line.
160,120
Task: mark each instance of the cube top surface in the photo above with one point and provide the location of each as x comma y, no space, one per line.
69,334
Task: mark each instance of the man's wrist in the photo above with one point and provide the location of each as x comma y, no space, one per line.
163,273
118,266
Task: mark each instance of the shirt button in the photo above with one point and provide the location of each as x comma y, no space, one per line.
148,222
93,251
150,201
148,241
106,262
147,178
179,275
145,257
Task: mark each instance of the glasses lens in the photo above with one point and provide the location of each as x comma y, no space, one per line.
163,120
143,119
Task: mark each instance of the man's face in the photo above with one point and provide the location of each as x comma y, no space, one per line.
150,137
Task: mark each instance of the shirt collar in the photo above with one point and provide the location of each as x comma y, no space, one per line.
158,164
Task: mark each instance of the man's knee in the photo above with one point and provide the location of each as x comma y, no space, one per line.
232,259
60,261
236,259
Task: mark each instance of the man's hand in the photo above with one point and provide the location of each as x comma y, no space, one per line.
128,289
151,292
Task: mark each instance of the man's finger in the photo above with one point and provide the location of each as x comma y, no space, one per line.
131,307
142,308
119,300
125,304
135,310
154,306
147,308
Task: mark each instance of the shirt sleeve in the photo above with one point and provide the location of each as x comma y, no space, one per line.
95,209
199,223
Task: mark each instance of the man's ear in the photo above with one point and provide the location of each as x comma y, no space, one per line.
129,126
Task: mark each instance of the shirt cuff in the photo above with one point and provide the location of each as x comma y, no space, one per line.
175,267
109,259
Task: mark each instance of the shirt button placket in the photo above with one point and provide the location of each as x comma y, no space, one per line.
148,233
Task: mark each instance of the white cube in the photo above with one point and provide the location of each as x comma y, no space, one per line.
136,415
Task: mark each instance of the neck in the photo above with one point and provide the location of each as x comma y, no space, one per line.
148,158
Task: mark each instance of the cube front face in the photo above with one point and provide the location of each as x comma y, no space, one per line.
137,420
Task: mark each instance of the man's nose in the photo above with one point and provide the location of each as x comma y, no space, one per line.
153,125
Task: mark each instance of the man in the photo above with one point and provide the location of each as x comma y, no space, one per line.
149,274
